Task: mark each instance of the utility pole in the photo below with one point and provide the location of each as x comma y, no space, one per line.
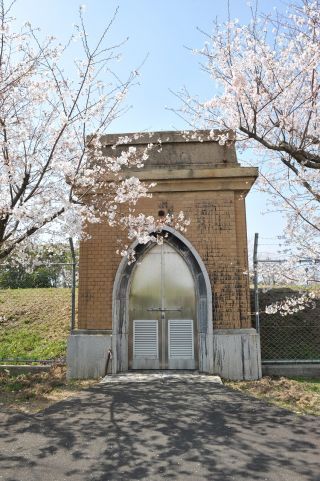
73,286
255,282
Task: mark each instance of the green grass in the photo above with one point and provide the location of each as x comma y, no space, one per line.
311,385
10,386
34,323
29,345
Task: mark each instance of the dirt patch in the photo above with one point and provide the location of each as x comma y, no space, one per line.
31,393
299,395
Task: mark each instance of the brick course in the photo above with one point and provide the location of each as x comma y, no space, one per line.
217,232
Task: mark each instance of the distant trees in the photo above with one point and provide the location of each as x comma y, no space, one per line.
43,266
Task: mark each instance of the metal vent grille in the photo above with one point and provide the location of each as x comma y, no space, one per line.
145,339
180,339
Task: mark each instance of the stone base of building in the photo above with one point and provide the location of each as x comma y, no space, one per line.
236,354
87,353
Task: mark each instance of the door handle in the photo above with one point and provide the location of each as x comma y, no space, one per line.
165,309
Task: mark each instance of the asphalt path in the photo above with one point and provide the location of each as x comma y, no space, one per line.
160,430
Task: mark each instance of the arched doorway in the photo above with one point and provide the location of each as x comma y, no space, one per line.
167,290
162,312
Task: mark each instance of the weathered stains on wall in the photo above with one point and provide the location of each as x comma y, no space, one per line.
208,214
217,232
175,150
236,355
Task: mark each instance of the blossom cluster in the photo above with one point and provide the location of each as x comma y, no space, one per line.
292,305
54,174
266,80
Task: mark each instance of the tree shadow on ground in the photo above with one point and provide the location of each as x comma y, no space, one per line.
160,430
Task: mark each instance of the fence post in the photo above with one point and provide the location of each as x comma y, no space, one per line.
255,282
73,286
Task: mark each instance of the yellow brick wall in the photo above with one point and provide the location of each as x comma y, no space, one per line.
218,233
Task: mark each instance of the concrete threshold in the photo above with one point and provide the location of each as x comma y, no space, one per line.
162,376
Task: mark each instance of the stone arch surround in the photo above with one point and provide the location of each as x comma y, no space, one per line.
120,310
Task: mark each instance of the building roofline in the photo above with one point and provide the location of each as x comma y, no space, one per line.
165,136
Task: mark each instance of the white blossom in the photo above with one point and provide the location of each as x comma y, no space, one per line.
53,171
266,91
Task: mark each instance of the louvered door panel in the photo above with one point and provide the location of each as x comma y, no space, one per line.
180,334
145,339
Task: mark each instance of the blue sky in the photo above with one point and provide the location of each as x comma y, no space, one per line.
160,30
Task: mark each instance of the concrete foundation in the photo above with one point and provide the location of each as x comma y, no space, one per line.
290,369
236,354
17,369
87,353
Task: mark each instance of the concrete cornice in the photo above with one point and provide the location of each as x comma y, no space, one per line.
194,173
192,180
238,179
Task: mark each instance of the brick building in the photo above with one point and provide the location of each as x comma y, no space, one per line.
184,304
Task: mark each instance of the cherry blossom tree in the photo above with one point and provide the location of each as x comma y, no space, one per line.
267,84
51,158
266,81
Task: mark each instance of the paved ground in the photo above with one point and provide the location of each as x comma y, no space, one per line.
161,430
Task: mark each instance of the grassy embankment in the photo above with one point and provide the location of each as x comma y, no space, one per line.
34,323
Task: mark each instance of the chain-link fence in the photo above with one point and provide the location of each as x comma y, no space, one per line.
287,333
295,337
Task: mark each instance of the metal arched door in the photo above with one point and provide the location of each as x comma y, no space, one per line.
162,312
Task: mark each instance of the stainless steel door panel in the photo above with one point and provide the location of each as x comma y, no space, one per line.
163,287
145,291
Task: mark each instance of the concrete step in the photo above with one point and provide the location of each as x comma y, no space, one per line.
162,376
